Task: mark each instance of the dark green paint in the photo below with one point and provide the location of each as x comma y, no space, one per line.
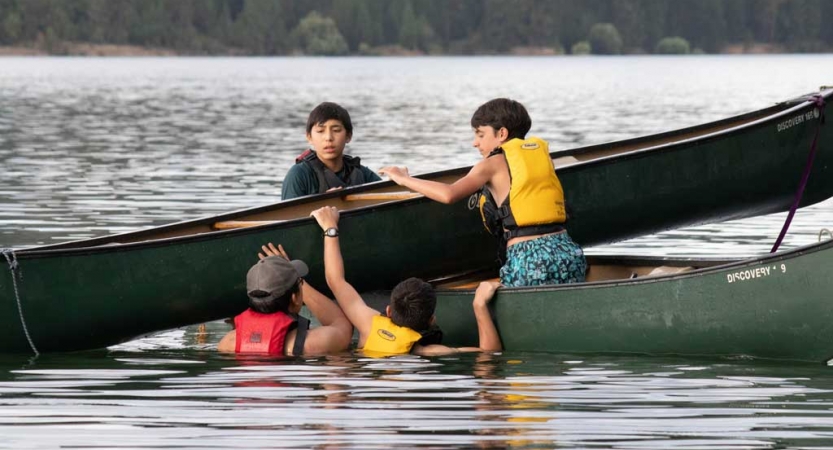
787,314
94,293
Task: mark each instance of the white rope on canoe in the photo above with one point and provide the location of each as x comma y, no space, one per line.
825,231
14,267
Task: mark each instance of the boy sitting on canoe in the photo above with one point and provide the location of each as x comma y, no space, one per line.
408,323
271,324
325,166
518,175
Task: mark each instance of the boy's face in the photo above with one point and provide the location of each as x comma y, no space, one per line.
328,139
296,302
487,139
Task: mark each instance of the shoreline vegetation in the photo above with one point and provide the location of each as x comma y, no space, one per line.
115,50
413,27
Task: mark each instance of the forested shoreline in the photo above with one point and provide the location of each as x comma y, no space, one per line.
414,27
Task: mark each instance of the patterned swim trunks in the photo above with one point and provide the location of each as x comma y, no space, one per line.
552,259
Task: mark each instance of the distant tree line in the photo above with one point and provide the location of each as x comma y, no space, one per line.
337,27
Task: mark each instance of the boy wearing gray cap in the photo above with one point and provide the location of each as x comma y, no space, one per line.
271,325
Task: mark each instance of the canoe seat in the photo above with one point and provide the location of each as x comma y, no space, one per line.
232,224
667,270
602,272
469,285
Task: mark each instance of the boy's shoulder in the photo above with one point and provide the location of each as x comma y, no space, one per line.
300,180
496,161
300,169
369,175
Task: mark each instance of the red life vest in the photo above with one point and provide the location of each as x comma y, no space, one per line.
262,333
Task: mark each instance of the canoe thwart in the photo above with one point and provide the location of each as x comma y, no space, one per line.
471,285
232,224
399,195
668,270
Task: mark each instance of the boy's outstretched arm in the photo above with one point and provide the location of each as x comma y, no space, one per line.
477,177
489,338
354,307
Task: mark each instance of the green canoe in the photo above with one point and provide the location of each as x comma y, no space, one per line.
102,291
778,306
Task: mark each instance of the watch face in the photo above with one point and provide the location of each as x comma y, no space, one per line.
332,232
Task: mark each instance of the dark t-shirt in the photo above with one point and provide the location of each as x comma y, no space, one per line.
301,180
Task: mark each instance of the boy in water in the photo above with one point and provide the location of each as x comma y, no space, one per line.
325,166
522,202
408,323
272,326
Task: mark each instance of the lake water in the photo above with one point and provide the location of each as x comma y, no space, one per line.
90,147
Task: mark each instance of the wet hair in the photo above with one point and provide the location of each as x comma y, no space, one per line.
412,304
264,303
503,113
329,111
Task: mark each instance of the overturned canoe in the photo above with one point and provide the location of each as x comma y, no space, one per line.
777,306
102,291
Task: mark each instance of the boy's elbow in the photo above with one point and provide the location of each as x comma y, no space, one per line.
345,335
341,334
453,194
332,279
446,197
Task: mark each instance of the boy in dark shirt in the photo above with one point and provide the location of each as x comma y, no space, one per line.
325,166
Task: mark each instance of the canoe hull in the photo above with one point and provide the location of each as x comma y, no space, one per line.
756,171
102,291
102,296
778,307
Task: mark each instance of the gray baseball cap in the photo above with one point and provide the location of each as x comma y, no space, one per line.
274,275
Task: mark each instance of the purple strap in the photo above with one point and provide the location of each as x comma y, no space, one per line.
819,101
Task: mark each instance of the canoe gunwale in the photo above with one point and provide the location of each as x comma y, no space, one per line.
764,120
763,113
113,246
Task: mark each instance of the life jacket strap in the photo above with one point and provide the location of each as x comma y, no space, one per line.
327,179
533,230
300,336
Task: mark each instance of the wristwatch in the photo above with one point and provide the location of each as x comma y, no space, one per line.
331,232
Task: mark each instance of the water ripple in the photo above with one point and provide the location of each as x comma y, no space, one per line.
212,401
129,143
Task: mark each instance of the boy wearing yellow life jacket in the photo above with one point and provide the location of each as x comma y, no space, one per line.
271,325
522,201
408,323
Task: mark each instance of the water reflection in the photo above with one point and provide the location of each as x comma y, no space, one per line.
488,401
90,147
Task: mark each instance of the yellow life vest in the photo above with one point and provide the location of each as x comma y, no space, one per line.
535,204
388,338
